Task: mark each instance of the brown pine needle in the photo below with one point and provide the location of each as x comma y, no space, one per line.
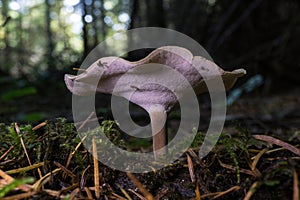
257,157
83,176
161,193
140,186
39,126
96,170
245,171
79,69
42,181
76,149
74,194
69,188
116,196
63,168
232,189
295,185
22,142
86,120
137,194
278,142
194,156
24,169
88,192
9,179
197,191
19,196
6,177
251,191
5,154
24,147
124,192
191,168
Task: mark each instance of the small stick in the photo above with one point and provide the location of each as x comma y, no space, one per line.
88,192
191,168
24,147
63,168
278,142
197,191
124,192
24,169
5,154
295,186
96,170
251,191
39,126
19,196
140,186
232,189
79,69
256,159
137,194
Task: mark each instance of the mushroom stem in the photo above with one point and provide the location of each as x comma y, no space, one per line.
158,117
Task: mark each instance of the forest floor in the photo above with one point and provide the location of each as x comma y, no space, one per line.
257,157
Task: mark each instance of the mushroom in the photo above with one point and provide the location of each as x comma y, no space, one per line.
140,82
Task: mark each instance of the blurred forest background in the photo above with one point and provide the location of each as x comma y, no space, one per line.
41,40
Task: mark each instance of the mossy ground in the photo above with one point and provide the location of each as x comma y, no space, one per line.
228,172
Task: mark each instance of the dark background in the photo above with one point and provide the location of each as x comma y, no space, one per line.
41,40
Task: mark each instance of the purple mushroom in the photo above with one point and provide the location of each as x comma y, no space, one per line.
155,98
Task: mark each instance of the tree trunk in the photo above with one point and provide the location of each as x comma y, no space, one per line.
155,13
86,48
50,44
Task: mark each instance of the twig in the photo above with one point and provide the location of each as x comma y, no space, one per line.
72,153
295,185
82,180
39,126
256,159
161,193
116,196
22,142
42,181
197,191
96,170
74,193
19,196
24,169
79,69
278,142
63,168
86,120
232,189
140,186
5,154
7,177
124,192
137,194
245,171
24,147
251,191
191,168
88,192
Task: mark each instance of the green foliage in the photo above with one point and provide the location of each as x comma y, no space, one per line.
14,184
18,93
199,138
34,117
233,145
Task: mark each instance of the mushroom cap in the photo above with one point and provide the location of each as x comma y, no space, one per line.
158,79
